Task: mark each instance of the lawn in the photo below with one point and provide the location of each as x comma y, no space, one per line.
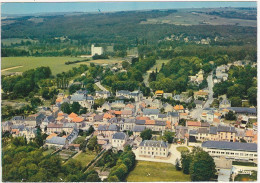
246,177
85,157
182,149
47,152
57,64
146,171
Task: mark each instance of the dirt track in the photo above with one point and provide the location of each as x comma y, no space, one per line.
10,68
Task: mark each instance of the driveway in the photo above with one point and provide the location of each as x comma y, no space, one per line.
100,86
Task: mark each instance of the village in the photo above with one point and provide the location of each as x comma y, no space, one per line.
122,122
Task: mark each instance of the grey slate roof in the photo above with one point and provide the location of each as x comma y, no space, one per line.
205,124
124,92
160,123
151,111
173,114
138,128
57,140
193,132
243,109
203,130
153,143
113,120
49,119
198,101
140,122
236,146
16,118
78,97
213,130
119,135
226,129
112,127
162,116
130,120
102,128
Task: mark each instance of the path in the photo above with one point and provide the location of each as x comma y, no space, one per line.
196,113
100,86
10,68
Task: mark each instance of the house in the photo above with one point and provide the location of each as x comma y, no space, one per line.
178,108
58,128
244,110
138,129
46,121
193,124
181,132
17,119
151,113
96,50
231,150
6,126
57,142
153,149
103,94
137,95
173,117
82,98
34,120
199,103
107,131
128,124
201,94
159,93
225,103
167,95
167,107
118,140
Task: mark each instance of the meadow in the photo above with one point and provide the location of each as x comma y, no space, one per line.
146,171
57,64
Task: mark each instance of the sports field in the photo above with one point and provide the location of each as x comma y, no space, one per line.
146,171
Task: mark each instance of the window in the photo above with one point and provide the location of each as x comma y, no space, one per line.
222,152
227,152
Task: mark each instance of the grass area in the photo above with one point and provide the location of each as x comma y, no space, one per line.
146,171
182,149
85,157
103,61
66,154
47,152
57,64
9,41
246,177
244,163
79,139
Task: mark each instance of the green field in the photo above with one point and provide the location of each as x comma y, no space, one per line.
9,41
182,149
146,171
85,157
57,64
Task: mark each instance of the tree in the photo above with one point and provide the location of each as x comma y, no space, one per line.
230,116
125,64
92,143
182,122
168,136
177,165
65,107
146,134
185,162
252,95
236,101
75,107
202,167
35,102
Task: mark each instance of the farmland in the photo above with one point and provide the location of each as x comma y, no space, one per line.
56,64
146,171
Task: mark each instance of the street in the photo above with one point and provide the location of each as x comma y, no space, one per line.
100,86
196,113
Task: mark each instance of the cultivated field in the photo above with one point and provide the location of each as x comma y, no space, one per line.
85,157
146,171
57,64
187,17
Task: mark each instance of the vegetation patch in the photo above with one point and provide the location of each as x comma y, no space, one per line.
146,171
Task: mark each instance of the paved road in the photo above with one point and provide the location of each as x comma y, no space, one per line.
100,86
196,113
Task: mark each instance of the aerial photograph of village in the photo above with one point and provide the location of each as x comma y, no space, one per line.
129,92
